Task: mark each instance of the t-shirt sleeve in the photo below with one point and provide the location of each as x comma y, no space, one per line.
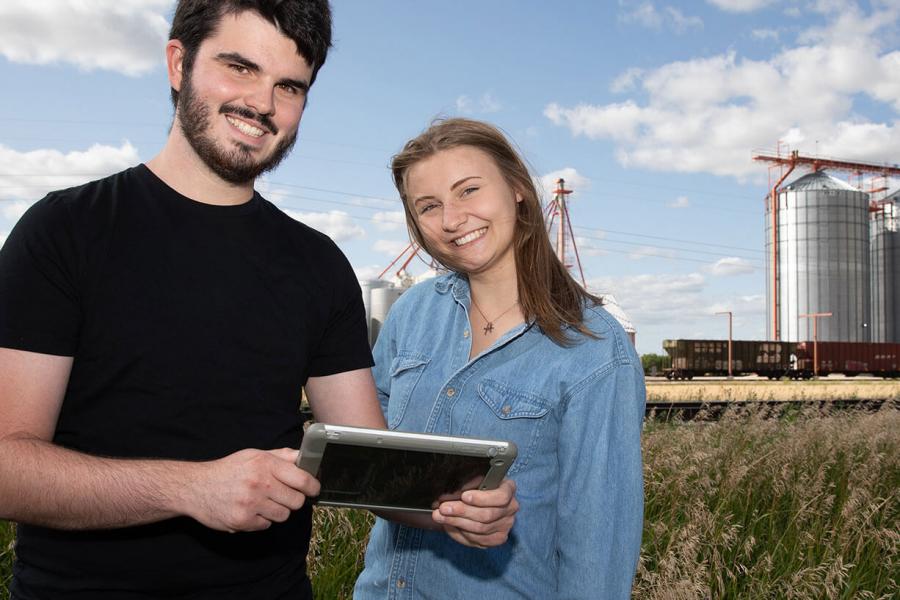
345,343
39,300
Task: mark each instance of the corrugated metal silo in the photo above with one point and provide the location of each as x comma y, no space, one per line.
823,260
367,285
885,267
382,300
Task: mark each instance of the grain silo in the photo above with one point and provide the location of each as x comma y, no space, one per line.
382,300
366,286
885,269
823,260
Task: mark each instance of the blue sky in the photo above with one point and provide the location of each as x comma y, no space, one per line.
650,110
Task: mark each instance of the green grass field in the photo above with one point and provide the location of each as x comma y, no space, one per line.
806,507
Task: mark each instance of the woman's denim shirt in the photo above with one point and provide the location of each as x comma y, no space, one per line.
575,414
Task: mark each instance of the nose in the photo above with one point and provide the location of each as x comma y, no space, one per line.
452,217
261,99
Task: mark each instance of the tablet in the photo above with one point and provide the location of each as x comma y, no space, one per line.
398,470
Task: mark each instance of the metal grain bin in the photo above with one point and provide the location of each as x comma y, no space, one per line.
823,260
382,300
885,270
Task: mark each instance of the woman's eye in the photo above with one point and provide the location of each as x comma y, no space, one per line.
469,190
425,208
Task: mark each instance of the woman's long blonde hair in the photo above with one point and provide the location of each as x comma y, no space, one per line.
547,292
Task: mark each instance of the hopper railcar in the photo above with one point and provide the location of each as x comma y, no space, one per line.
695,358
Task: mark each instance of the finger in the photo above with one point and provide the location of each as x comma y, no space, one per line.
297,479
501,496
288,454
476,513
273,511
478,528
288,497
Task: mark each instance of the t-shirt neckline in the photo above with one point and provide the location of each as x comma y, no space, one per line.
161,187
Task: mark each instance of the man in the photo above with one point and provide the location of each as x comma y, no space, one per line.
156,328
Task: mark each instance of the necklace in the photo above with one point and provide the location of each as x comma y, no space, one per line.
489,327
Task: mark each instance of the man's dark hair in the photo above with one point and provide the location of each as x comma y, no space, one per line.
307,22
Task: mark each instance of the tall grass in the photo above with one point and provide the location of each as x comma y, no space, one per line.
807,506
753,508
7,535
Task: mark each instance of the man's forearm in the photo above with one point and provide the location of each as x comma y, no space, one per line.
45,484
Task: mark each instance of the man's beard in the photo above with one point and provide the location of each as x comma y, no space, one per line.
236,165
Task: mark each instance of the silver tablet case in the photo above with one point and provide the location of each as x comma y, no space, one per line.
398,470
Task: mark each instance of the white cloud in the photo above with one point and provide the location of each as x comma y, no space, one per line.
681,23
574,181
486,104
28,176
392,248
368,272
390,220
126,36
680,306
336,224
3,236
741,5
679,202
731,265
463,105
741,306
765,34
708,114
647,15
627,80
588,247
642,252
656,298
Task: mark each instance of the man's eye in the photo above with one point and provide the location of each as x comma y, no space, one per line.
241,69
289,89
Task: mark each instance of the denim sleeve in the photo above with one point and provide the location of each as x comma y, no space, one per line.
600,508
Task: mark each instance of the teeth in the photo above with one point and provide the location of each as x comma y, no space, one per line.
469,237
245,128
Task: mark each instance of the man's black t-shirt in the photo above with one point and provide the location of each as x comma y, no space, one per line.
193,328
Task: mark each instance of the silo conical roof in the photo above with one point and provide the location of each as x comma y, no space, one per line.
819,180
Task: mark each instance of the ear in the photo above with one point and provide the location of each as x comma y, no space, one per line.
175,63
519,197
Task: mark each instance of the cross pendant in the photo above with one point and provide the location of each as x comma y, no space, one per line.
488,328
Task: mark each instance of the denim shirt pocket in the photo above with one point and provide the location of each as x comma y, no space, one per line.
406,369
519,417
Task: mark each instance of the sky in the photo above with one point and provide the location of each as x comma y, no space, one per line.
650,110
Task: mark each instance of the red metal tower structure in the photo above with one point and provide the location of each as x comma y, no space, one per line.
785,165
565,237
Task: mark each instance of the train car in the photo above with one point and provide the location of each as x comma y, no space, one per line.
848,358
692,358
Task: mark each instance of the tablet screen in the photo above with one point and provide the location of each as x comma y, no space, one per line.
376,476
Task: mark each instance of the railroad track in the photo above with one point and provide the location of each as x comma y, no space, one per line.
713,410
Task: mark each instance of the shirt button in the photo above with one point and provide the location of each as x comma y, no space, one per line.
466,333
450,392
506,409
401,583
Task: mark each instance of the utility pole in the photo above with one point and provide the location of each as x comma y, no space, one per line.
815,318
728,312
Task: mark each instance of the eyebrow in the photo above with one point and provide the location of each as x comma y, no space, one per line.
236,57
463,180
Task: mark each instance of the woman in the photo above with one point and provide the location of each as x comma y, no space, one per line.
508,346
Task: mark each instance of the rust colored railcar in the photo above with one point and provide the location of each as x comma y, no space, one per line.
690,358
849,358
